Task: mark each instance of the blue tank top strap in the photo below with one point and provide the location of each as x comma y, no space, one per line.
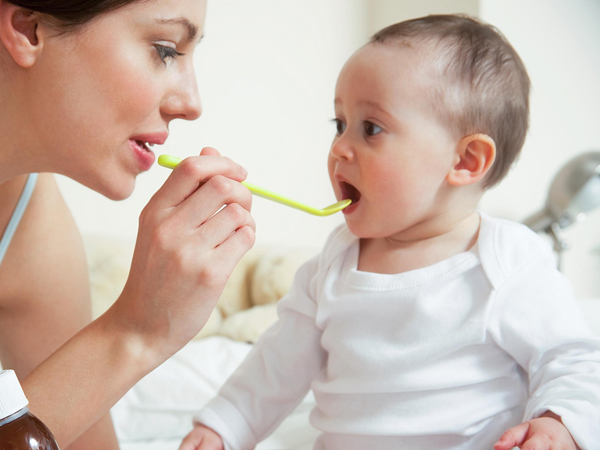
13,223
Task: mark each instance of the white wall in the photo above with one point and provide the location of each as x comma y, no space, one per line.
267,71
559,42
387,12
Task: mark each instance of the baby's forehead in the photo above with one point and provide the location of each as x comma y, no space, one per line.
412,67
426,58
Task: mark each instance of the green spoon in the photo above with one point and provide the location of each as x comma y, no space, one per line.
171,161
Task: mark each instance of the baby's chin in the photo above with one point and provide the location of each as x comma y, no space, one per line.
367,229
361,230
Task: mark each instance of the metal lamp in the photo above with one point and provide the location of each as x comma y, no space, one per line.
574,191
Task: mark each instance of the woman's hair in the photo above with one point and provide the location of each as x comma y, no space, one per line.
484,86
70,13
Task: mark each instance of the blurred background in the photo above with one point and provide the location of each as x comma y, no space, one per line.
267,71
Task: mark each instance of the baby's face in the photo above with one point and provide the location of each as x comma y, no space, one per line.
390,154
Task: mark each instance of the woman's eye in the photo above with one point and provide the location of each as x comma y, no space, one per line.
340,126
371,129
167,52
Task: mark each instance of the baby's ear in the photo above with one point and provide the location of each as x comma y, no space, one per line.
474,156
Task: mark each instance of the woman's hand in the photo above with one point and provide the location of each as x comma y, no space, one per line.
187,247
202,438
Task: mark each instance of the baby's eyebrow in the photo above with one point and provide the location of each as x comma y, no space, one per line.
369,103
191,28
373,105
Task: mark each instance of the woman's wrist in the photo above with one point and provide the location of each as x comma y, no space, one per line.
84,378
135,340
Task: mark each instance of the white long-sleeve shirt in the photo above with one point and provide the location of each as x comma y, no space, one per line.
446,357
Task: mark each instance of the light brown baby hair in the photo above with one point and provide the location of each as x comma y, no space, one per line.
484,87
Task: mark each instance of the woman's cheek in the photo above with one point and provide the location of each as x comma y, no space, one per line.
135,83
143,99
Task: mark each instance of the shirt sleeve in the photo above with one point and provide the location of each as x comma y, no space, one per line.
536,319
276,374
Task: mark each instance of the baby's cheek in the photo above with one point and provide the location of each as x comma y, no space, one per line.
330,166
410,191
393,178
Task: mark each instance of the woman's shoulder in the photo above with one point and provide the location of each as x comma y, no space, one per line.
10,192
45,205
46,245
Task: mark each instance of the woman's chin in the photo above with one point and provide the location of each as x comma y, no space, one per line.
120,194
115,189
118,197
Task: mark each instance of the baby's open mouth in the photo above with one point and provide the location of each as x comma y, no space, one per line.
349,192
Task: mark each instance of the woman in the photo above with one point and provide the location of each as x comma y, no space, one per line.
85,87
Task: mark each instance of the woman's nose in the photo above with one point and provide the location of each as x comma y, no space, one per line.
183,101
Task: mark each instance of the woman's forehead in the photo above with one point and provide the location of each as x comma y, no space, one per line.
189,14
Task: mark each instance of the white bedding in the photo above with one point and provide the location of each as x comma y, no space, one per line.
157,413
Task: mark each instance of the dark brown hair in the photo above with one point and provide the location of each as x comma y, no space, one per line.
71,13
484,86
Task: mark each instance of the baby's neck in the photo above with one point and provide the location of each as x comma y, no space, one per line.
447,237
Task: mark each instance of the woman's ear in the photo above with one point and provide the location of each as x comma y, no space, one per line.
475,155
19,34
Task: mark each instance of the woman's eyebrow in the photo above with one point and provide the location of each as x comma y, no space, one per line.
191,28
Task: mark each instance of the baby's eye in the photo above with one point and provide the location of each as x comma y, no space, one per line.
340,126
165,52
371,129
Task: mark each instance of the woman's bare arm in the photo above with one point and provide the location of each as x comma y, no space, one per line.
80,382
184,255
44,288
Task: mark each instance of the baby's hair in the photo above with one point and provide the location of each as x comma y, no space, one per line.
485,87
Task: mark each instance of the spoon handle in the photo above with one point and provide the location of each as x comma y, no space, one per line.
270,195
171,162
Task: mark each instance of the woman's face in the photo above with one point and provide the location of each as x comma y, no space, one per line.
96,97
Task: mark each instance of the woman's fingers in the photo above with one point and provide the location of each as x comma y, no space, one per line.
193,172
218,228
227,255
187,247
209,151
218,191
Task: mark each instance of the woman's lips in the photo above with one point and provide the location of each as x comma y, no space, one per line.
140,144
143,154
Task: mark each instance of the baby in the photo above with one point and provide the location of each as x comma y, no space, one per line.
423,324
